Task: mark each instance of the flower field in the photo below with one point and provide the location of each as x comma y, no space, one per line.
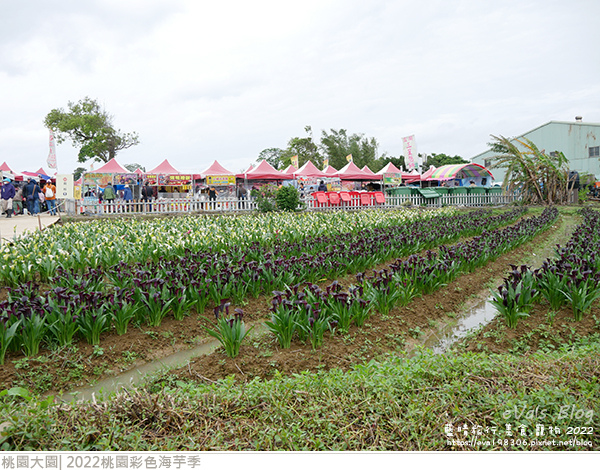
82,291
337,293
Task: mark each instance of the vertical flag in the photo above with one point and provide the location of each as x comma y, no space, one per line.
52,155
349,158
410,150
295,161
326,162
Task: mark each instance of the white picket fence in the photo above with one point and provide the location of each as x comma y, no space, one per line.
187,205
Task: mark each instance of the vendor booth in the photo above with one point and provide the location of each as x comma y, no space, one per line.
218,177
309,176
262,174
463,174
168,182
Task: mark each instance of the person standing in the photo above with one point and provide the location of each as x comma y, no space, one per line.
37,197
109,193
7,194
127,198
212,194
18,201
50,194
242,193
147,194
28,195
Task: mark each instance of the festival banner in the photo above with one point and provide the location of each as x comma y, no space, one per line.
392,178
52,154
410,150
126,178
349,158
295,161
168,180
220,180
97,179
326,162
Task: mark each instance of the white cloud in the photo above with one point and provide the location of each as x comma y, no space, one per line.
203,80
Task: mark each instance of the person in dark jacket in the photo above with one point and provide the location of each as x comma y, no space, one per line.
322,186
7,194
31,193
37,192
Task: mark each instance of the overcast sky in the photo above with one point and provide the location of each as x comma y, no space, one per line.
205,80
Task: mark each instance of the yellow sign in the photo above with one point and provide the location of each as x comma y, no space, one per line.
349,158
220,180
295,161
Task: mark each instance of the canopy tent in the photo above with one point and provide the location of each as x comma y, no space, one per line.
290,170
5,167
243,175
165,168
460,171
7,171
216,174
428,174
31,174
368,171
110,173
165,174
215,169
42,172
329,170
112,166
389,168
352,172
264,171
309,170
412,177
390,174
138,171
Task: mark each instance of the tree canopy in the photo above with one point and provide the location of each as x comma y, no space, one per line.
540,178
272,156
337,145
90,128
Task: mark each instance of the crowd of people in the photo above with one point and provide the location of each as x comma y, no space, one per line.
27,198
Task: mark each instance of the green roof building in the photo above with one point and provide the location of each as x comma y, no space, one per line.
578,141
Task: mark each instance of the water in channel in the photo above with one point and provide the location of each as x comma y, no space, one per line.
439,342
474,318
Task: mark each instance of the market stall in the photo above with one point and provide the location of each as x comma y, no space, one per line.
168,182
308,176
216,176
353,177
463,175
262,174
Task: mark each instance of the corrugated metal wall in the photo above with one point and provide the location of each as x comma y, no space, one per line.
574,139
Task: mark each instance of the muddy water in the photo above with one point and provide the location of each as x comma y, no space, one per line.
474,318
137,375
439,341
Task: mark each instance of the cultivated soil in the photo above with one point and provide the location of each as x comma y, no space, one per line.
260,356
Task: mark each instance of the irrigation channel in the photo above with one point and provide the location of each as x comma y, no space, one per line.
439,341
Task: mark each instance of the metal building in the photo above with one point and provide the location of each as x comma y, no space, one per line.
578,140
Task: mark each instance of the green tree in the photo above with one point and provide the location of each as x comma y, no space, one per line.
90,128
440,159
337,145
540,178
78,172
272,156
134,166
305,148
